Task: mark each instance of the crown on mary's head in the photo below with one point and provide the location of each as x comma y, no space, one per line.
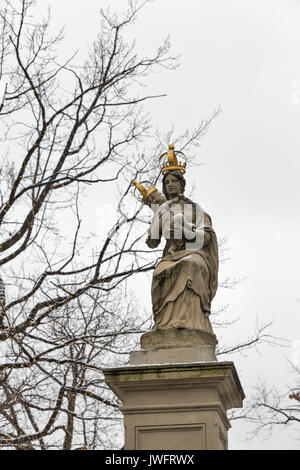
172,160
145,188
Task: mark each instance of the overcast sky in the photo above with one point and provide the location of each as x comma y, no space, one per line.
241,55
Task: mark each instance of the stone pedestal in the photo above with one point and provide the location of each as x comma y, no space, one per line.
176,404
174,338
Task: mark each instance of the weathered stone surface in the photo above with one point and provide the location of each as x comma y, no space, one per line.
173,356
177,338
174,392
176,406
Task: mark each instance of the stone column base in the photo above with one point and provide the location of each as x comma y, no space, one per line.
177,405
173,356
170,338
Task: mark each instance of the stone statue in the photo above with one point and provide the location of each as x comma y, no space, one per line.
174,391
186,277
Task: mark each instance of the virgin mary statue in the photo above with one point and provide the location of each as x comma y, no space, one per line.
186,277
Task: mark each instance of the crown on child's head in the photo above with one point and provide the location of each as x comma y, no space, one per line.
169,161
145,188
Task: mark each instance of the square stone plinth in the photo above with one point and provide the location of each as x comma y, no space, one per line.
172,356
176,406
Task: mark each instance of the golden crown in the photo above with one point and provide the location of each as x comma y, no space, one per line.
145,191
169,161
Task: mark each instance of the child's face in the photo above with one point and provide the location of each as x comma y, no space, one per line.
156,198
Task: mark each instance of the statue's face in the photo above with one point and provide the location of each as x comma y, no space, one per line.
173,186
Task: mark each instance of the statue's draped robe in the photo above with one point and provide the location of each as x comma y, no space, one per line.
185,279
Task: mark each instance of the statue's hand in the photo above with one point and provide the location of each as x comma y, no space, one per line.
189,226
165,206
178,219
173,201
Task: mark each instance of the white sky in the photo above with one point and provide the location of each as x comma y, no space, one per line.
244,56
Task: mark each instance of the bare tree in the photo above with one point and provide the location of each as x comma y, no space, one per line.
269,408
58,140
66,128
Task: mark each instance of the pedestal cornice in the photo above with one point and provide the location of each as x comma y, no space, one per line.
222,375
